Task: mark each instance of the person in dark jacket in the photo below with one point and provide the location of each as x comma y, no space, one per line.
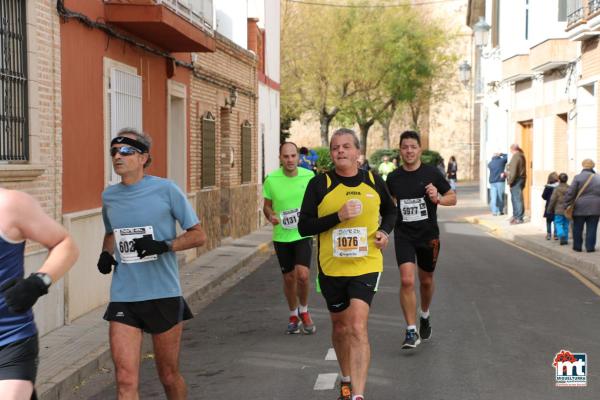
497,182
551,184
587,206
451,172
556,206
516,177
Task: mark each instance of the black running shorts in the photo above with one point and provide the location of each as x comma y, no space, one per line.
152,316
339,290
19,360
423,253
295,253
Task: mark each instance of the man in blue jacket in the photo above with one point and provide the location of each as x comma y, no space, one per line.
497,182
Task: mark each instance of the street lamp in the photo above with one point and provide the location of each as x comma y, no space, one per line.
464,73
481,30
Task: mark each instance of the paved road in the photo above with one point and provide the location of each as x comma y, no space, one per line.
499,316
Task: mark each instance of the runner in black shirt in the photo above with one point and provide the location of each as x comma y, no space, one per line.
418,189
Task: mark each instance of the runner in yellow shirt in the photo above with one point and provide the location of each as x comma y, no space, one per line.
343,207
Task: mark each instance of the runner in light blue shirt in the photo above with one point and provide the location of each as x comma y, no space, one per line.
140,216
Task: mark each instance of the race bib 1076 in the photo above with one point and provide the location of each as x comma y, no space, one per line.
126,247
350,242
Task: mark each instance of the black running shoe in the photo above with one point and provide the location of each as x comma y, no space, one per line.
424,328
412,339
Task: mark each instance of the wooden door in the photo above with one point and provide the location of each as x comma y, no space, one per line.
527,147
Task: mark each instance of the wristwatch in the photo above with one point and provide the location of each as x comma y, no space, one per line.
45,278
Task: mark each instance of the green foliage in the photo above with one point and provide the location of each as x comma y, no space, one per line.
378,154
324,162
359,64
429,157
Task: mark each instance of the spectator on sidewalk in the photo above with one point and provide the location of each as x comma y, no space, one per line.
517,175
451,172
556,207
587,206
306,160
497,182
551,184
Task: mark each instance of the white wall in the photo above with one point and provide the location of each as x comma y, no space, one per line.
544,22
587,124
512,28
232,20
268,14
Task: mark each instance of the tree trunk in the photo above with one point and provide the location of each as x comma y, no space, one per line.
325,120
364,132
385,125
415,111
325,131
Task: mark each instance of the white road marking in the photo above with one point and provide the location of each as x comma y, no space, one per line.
326,381
331,355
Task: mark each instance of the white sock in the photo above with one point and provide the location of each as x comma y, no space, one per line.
294,312
303,309
425,314
345,379
411,328
357,397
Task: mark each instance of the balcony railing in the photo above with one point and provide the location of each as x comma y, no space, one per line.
575,16
593,6
198,12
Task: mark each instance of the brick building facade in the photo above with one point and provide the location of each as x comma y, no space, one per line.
92,67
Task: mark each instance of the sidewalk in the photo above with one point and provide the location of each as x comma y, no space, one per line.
70,354
533,238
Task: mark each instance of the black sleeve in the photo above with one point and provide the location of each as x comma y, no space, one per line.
547,193
441,184
387,209
309,223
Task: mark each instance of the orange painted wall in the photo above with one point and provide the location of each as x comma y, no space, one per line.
82,52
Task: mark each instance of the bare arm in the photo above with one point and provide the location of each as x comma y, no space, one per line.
269,213
34,224
193,237
448,198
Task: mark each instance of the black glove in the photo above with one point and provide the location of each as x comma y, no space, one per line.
106,262
21,294
146,246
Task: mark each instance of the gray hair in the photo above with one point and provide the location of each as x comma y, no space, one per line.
345,131
141,137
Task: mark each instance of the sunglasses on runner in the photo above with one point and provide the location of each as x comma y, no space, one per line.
124,151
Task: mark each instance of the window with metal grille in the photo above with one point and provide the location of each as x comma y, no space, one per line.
209,151
125,101
246,152
14,138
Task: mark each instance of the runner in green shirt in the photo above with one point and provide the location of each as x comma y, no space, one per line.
283,192
386,167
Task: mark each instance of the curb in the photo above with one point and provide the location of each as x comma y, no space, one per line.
62,385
